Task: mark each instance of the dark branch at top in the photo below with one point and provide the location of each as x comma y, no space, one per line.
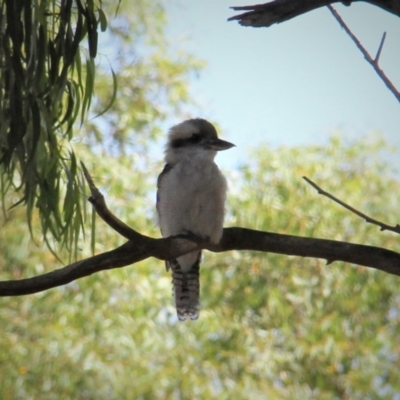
274,12
264,15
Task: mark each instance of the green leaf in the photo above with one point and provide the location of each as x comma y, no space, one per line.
103,20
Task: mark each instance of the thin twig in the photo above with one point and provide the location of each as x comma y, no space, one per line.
367,56
99,204
378,53
383,226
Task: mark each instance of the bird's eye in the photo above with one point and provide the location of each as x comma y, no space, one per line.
195,138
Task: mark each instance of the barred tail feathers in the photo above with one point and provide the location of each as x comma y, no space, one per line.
186,289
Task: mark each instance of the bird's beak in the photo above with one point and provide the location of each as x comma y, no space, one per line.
219,144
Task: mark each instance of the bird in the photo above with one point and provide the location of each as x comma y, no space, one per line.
191,195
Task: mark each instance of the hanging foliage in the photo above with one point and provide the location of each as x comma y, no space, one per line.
46,84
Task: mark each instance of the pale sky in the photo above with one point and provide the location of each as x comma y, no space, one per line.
292,83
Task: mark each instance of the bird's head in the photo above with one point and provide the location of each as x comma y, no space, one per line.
194,137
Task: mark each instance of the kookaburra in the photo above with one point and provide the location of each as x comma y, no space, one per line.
191,199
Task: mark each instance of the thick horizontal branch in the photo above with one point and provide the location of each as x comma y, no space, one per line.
233,239
330,250
265,15
129,253
140,247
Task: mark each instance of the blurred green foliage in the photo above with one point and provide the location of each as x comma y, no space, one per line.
271,326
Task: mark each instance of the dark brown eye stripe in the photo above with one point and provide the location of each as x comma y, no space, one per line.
195,138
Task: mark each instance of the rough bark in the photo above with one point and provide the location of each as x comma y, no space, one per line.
265,15
143,247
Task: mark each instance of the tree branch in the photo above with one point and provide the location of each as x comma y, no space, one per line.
383,226
378,53
98,202
140,247
367,56
274,12
233,239
265,15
